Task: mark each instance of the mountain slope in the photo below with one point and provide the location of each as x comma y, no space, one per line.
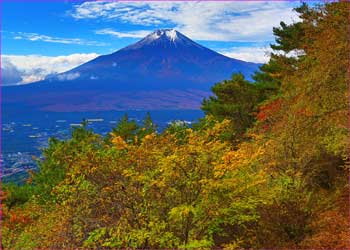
165,70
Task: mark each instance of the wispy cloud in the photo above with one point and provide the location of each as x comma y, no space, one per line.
248,54
218,21
31,68
50,39
130,34
257,54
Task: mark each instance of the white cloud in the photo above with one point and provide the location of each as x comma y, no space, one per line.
130,34
10,74
36,67
257,54
68,76
248,54
50,39
219,21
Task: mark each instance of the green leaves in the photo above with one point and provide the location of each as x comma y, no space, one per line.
235,100
264,169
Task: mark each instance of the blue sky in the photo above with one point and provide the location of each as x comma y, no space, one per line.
40,38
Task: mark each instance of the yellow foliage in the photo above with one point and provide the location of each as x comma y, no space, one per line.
149,137
118,142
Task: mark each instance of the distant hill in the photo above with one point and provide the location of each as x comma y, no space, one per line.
165,70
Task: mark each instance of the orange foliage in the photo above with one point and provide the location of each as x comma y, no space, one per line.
267,111
18,219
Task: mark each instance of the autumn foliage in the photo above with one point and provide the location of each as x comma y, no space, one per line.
265,169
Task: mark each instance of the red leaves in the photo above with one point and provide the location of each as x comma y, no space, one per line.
18,219
268,110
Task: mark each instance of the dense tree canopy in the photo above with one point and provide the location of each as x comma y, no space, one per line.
282,184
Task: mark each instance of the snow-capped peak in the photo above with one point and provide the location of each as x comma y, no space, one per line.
171,34
164,38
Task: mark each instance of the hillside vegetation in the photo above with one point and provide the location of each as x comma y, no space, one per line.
266,168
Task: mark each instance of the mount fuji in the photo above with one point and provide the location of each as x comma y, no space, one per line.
165,70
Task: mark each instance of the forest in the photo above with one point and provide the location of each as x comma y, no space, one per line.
266,168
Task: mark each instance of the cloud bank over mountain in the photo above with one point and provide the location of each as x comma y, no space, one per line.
10,75
30,68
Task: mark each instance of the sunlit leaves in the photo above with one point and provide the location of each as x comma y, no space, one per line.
269,174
